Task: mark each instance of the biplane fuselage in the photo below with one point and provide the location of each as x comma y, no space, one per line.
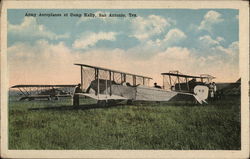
135,93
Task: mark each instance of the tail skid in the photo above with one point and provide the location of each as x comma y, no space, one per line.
201,101
198,99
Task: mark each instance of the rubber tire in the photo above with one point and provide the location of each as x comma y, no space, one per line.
129,102
102,103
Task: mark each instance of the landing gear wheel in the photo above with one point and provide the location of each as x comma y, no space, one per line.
129,102
111,102
102,103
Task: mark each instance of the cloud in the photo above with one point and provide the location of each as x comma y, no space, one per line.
30,28
224,57
220,39
174,36
44,63
41,63
213,46
210,19
90,39
186,61
232,52
208,41
145,27
175,53
234,46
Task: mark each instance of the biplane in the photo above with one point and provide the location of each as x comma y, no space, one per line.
188,84
106,85
33,92
177,81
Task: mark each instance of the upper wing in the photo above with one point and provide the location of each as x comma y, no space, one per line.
21,86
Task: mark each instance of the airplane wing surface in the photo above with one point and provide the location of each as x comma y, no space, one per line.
42,85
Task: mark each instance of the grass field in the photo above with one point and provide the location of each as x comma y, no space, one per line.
57,125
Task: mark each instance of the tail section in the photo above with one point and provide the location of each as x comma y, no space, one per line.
201,93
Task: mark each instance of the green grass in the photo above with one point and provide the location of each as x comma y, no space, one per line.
140,126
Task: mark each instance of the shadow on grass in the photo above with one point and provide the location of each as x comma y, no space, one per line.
225,103
80,107
96,106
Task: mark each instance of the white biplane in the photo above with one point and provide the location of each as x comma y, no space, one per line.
107,85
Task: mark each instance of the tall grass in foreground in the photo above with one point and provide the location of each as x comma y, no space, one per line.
56,125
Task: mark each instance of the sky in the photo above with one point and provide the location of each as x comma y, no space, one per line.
43,49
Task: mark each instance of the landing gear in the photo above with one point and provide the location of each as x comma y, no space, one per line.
129,102
30,99
106,103
102,103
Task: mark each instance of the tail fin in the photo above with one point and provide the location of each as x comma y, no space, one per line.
201,93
